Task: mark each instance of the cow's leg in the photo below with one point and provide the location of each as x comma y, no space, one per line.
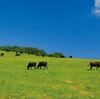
97,67
37,67
40,67
34,67
27,67
30,67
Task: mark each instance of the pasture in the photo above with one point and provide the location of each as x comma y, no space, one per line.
65,78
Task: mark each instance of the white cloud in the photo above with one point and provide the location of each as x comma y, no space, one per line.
96,10
97,3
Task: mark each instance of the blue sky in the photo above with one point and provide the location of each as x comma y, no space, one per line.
68,26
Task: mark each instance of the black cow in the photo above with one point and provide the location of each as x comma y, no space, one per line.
42,64
2,54
43,55
94,64
70,57
17,54
31,65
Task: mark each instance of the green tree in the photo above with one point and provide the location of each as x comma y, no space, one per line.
57,54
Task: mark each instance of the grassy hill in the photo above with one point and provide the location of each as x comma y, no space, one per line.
65,78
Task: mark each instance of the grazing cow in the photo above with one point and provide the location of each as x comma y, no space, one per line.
2,54
43,55
31,65
17,54
94,64
70,57
42,64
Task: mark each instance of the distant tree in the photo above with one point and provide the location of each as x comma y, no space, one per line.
62,56
57,54
6,48
50,55
31,50
28,50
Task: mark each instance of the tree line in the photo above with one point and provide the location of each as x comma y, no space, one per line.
31,50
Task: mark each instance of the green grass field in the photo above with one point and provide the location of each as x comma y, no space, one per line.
65,78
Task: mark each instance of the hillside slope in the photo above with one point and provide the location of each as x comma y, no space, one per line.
65,78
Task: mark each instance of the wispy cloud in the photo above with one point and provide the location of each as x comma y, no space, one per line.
96,10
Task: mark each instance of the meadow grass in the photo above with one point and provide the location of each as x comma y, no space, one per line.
64,79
